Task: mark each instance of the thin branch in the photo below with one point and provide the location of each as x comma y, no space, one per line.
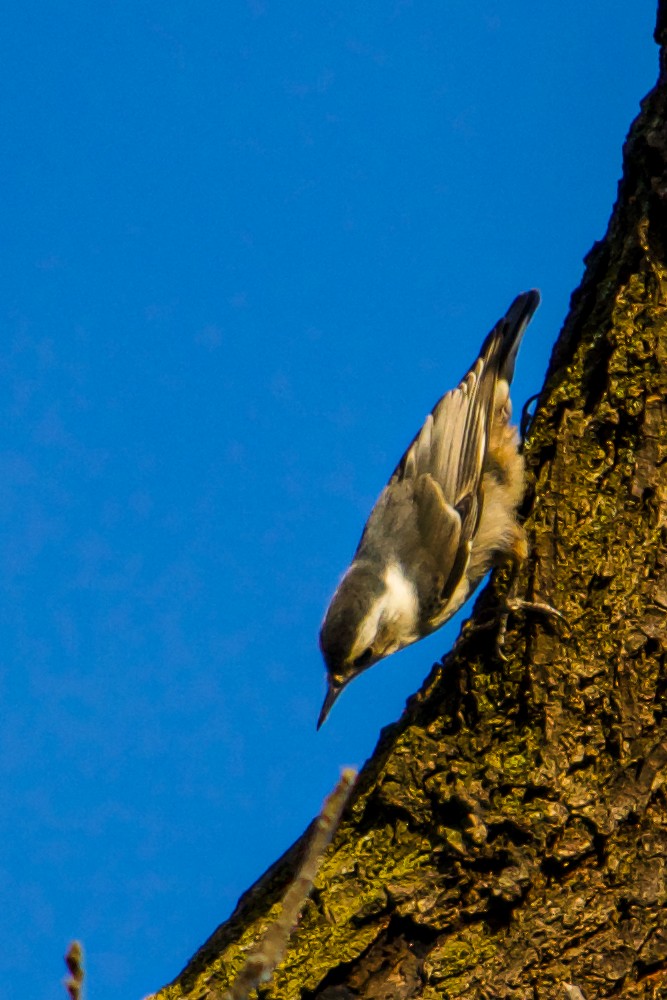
271,948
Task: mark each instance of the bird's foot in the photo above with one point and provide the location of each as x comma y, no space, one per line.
514,604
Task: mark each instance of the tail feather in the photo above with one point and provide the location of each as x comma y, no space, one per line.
516,319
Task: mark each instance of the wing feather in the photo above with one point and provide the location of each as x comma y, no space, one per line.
451,446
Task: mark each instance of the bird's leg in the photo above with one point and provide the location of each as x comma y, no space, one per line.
513,603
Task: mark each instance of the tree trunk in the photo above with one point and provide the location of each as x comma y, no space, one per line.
509,835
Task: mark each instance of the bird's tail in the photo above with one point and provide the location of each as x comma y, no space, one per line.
507,333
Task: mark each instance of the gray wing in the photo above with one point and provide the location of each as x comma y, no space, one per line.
446,459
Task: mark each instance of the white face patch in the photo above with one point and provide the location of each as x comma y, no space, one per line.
397,609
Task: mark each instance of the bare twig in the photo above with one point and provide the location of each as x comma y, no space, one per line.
269,951
74,963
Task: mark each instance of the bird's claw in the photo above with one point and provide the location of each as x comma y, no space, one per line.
514,604
541,607
527,417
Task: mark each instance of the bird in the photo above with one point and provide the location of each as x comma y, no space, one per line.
447,516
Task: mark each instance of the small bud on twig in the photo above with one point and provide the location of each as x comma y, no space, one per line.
74,963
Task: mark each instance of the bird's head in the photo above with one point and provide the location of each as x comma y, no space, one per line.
371,615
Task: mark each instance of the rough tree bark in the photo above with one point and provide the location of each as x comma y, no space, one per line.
509,835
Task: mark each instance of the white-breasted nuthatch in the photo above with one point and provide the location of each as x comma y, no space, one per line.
446,516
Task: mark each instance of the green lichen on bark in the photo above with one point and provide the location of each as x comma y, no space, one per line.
509,834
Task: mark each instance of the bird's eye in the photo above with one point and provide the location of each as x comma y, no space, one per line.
363,658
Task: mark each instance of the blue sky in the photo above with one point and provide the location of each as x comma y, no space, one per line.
246,247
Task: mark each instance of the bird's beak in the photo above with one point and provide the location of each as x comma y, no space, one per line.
333,691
